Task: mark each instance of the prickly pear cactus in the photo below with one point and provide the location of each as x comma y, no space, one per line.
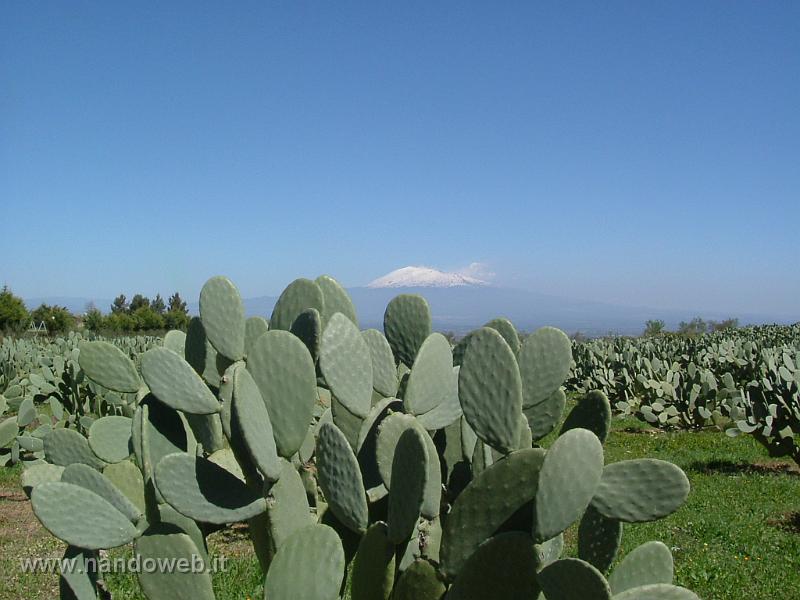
378,454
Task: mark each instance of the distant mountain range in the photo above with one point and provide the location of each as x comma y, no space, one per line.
460,303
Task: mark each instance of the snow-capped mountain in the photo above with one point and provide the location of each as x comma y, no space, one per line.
423,277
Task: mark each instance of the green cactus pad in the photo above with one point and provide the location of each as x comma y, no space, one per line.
367,445
81,579
384,372
284,372
506,328
170,516
39,473
66,446
419,582
26,413
173,381
389,433
317,546
592,412
543,417
175,340
308,327
460,349
448,411
164,542
599,539
636,491
200,354
287,505
107,365
407,489
573,579
346,363
349,423
336,299
253,328
94,481
549,551
568,480
127,478
251,415
222,314
480,510
8,431
407,324
468,439
502,568
490,390
63,508
481,458
207,430
431,379
658,591
647,564
544,363
110,438
340,478
204,491
373,566
162,433
297,297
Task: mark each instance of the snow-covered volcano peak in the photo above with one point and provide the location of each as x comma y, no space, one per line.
423,277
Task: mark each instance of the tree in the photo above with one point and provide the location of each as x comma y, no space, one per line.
175,319
93,319
57,319
120,305
723,325
654,327
120,321
696,326
13,314
158,305
146,318
138,302
177,304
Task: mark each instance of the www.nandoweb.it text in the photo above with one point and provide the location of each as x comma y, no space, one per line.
134,564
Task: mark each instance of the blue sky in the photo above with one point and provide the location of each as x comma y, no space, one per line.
642,153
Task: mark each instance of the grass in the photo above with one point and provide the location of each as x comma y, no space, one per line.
737,537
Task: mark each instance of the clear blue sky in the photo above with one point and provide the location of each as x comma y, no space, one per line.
642,153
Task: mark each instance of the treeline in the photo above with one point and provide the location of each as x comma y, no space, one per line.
140,314
696,326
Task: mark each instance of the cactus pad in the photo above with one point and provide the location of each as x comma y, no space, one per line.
490,390
62,508
107,365
568,480
407,324
204,491
110,438
645,489
173,381
340,478
222,314
297,297
284,372
317,546
544,362
346,363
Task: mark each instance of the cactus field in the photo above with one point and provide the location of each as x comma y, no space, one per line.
328,461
